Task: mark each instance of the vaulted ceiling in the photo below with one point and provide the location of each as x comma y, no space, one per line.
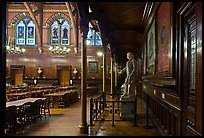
123,24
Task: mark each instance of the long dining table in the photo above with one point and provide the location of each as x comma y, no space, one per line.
56,96
22,101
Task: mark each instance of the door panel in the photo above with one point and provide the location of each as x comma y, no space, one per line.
18,79
64,77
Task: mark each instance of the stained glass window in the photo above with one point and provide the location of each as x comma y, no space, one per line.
65,33
98,40
55,33
93,37
60,32
30,34
20,29
25,32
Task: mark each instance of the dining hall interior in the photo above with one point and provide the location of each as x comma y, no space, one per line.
101,68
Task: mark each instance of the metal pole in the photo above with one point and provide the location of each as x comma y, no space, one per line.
96,108
91,111
100,105
113,115
135,115
104,71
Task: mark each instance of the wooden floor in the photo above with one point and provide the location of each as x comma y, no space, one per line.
66,121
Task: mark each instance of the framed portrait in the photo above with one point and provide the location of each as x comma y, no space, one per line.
164,39
93,66
150,68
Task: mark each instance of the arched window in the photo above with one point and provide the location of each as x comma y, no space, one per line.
93,37
25,32
60,32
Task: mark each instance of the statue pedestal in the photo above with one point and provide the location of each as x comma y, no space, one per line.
127,108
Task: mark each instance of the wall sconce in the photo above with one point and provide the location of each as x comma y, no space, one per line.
59,49
99,53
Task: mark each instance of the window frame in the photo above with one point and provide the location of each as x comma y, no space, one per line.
60,24
25,37
94,37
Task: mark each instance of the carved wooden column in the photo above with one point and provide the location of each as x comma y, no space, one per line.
83,126
104,70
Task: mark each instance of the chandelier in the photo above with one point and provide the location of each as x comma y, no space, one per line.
59,49
12,48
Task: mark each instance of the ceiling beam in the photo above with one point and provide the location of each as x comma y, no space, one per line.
38,30
72,20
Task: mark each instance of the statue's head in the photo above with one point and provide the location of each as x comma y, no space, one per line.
130,55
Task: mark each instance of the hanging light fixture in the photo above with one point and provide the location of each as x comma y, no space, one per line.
59,49
11,46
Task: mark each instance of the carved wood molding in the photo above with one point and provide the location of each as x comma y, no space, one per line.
149,14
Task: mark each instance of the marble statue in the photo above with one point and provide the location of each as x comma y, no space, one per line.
130,84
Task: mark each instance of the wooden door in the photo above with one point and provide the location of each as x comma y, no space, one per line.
64,77
17,77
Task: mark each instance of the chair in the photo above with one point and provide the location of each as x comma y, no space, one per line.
10,120
36,110
40,94
61,102
33,95
24,115
75,96
45,107
67,99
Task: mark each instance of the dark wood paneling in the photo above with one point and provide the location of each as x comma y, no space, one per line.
191,132
164,114
48,62
162,94
168,96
